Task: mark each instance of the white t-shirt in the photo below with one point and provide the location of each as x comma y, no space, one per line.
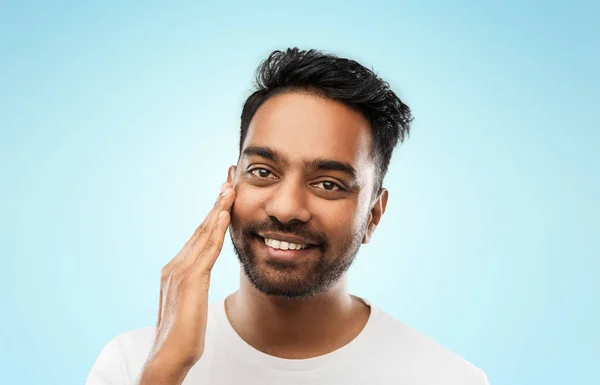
385,352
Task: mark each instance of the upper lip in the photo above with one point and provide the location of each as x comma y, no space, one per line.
287,238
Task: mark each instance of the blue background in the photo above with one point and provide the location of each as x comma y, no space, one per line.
118,122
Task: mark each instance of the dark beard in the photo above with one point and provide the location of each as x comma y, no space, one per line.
294,279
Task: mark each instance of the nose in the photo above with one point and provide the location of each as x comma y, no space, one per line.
288,202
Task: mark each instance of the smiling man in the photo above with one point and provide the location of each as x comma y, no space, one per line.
316,140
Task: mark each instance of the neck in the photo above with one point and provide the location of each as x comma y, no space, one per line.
296,328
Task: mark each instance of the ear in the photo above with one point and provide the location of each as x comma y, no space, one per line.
231,177
375,215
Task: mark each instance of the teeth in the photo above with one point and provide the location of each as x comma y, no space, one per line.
283,245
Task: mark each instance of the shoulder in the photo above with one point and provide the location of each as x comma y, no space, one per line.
122,357
417,356
135,340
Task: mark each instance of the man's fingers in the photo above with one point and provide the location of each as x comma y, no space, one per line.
214,245
223,204
206,223
207,220
205,228
160,304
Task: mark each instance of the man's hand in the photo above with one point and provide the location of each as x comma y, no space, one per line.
183,304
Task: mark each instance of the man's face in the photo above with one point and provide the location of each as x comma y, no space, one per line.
306,172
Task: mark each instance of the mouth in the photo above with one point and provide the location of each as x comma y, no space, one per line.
279,249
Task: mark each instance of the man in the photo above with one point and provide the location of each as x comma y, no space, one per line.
316,140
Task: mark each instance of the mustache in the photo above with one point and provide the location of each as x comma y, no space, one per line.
298,229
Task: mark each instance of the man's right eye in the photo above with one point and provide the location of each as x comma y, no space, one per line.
260,172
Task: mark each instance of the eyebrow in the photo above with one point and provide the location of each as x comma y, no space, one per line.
315,164
263,152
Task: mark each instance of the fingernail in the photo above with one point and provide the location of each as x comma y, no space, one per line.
225,192
223,187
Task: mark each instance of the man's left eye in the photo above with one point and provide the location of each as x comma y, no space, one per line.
328,186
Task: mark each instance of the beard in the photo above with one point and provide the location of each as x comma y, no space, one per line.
296,278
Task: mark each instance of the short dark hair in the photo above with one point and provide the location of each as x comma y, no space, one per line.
340,79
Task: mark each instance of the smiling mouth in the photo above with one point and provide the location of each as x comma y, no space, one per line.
276,244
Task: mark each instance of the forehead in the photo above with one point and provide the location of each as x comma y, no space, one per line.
302,125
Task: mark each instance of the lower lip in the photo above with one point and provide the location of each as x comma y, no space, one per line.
285,254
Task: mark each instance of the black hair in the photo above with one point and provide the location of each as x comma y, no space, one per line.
340,79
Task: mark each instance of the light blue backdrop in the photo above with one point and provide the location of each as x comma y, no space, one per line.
118,123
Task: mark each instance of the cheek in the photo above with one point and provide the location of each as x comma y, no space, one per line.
338,221
246,205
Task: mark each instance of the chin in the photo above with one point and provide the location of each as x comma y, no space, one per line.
288,277
286,281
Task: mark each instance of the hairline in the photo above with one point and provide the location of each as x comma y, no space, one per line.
318,92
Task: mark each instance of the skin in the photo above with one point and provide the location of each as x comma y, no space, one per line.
321,316
183,302
316,315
